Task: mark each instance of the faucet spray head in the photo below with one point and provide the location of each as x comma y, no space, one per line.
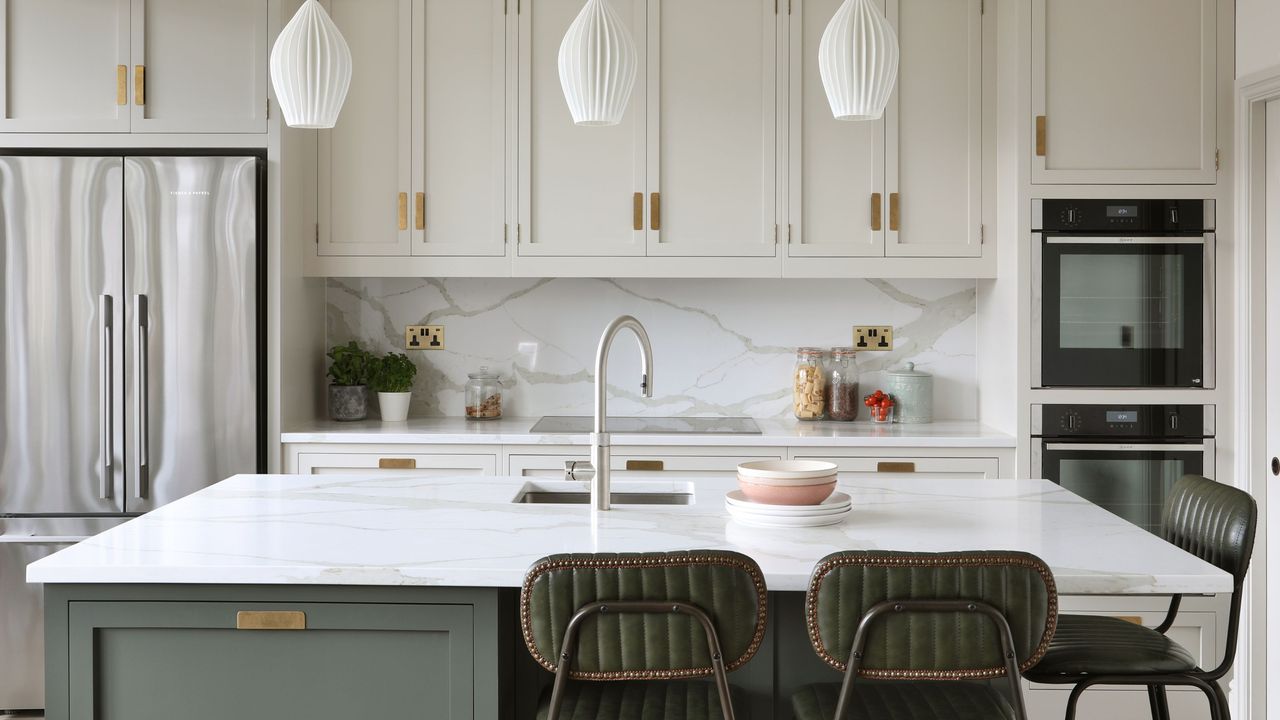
645,388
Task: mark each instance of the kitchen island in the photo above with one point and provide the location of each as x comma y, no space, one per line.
407,587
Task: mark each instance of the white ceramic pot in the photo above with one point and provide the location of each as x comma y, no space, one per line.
394,406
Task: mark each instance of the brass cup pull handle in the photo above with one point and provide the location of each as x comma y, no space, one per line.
402,212
139,84
397,464
895,212
647,465
122,85
655,211
877,211
420,211
271,620
896,467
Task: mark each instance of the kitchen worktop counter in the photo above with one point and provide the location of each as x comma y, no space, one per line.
774,433
466,532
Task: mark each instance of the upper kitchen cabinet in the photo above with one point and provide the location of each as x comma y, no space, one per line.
581,189
199,66
712,128
1124,92
91,66
66,66
887,195
366,160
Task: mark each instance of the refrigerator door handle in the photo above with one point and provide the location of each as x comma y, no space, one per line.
142,371
106,380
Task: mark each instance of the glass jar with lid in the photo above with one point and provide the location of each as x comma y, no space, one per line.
809,383
842,385
483,395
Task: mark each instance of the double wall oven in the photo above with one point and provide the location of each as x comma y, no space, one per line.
1124,458
1123,293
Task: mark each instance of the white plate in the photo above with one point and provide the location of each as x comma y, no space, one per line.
838,502
765,470
788,521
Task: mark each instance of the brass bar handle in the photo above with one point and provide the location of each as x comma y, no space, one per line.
139,84
271,620
895,212
397,464
637,211
122,85
1041,136
646,465
896,467
655,211
877,211
420,211
402,213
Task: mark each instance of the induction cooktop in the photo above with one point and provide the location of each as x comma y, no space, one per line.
581,424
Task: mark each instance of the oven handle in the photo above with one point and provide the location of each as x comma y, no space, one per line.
1122,447
1124,240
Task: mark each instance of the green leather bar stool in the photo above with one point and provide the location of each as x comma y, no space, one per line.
644,624
1212,521
914,633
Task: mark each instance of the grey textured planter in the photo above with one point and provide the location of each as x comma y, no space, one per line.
348,402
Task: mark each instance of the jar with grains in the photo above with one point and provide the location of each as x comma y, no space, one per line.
842,385
483,395
808,394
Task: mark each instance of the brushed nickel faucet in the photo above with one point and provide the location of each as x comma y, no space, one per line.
600,442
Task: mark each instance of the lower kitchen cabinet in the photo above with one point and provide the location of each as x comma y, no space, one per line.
890,466
209,653
390,460
635,466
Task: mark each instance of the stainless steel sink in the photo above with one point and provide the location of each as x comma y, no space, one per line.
624,493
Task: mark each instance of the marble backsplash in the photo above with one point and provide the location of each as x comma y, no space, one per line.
721,347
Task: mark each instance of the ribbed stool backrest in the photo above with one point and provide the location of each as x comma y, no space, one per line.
1212,521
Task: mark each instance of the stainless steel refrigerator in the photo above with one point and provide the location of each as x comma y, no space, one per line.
130,354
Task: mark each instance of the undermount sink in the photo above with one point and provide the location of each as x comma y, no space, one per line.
624,493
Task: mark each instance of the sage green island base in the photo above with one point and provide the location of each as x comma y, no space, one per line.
206,652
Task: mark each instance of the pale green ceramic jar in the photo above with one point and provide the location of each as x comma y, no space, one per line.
912,392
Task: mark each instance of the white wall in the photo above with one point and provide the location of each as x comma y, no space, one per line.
1257,35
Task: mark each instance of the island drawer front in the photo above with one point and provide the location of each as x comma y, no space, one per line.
189,660
638,466
388,461
960,468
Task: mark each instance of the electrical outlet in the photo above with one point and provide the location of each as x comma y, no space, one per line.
873,337
424,337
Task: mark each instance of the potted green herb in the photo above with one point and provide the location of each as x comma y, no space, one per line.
393,379
349,368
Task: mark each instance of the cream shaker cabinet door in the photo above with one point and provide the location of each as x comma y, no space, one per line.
365,160
1124,91
713,68
459,128
66,66
199,66
581,188
836,201
933,165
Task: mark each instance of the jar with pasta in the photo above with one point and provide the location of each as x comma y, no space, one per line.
809,386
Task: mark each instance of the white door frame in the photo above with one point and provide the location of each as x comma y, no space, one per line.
1253,92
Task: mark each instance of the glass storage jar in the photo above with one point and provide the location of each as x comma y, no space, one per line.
808,394
483,395
842,385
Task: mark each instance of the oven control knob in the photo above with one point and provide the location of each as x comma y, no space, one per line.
1070,421
1071,217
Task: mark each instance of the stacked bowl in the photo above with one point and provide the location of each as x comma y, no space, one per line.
787,493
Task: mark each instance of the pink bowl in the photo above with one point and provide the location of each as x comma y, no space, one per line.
787,494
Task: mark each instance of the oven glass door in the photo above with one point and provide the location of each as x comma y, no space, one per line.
1129,480
1122,312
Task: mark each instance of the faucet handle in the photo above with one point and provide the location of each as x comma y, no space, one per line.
581,470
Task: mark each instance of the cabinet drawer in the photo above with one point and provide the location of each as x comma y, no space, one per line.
186,659
393,463
960,468
638,466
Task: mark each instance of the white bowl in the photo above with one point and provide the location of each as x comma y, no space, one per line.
787,472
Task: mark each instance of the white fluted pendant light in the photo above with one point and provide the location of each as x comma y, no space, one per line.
597,66
858,59
311,69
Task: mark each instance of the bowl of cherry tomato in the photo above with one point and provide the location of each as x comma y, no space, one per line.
881,405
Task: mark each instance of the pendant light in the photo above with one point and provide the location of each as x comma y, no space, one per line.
597,66
858,59
311,68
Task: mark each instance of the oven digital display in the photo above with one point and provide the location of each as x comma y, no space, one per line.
1122,416
1122,211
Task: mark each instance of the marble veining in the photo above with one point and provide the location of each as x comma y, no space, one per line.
292,529
721,347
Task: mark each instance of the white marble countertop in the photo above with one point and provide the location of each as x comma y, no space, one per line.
339,530
775,433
